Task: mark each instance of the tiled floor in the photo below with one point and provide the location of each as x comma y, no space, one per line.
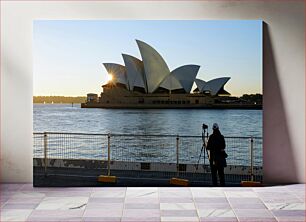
22,202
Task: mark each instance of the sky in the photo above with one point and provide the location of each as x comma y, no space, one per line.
68,54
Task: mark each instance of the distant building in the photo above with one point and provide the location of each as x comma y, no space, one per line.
149,83
92,97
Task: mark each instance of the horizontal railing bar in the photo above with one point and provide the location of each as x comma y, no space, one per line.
138,135
68,133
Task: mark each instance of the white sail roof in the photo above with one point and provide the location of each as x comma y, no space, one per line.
200,84
153,72
135,72
171,83
213,86
155,66
186,75
118,72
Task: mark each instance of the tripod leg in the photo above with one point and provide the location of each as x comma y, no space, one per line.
199,158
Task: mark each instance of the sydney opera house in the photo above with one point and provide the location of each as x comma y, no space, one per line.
149,83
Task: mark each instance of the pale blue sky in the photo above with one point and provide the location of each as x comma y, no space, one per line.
68,54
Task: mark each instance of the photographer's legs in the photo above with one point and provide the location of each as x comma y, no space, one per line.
221,176
213,169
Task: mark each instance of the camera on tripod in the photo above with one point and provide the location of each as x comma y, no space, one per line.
203,149
204,126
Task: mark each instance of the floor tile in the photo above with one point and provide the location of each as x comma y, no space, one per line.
289,213
68,194
141,206
20,206
285,206
25,194
218,219
57,213
247,194
248,206
175,192
179,219
178,213
101,219
253,213
62,203
96,189
105,200
207,193
14,214
99,205
10,186
244,200
175,200
103,213
274,197
256,219
210,200
109,193
54,219
291,219
175,189
133,192
3,200
177,206
141,200
142,213
140,219
25,200
213,206
216,213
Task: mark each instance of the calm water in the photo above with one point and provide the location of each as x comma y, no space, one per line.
65,118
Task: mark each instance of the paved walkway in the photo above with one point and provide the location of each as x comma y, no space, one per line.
22,202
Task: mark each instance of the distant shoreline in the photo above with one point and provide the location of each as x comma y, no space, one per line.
56,103
58,99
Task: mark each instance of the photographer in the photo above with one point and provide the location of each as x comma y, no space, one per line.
217,156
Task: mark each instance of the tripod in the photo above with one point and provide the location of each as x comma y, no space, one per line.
203,149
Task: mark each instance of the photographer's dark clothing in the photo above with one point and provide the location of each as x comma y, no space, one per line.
216,146
214,170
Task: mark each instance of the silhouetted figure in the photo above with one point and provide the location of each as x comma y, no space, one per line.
217,156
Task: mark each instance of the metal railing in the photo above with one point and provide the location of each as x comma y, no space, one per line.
161,151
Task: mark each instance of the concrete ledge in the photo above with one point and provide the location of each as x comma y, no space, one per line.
136,166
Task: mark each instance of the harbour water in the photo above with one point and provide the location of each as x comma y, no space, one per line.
65,118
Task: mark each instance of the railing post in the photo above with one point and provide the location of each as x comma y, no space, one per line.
252,158
45,152
108,154
177,156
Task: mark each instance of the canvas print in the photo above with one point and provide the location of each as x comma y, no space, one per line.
147,103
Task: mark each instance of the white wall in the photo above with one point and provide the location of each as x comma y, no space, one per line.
284,74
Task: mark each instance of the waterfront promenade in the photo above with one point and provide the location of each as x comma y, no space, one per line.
77,159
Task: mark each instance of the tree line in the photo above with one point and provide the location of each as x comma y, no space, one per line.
253,98
59,99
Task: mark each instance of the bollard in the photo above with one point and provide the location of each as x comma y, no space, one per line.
45,152
252,157
108,178
251,183
176,180
108,155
